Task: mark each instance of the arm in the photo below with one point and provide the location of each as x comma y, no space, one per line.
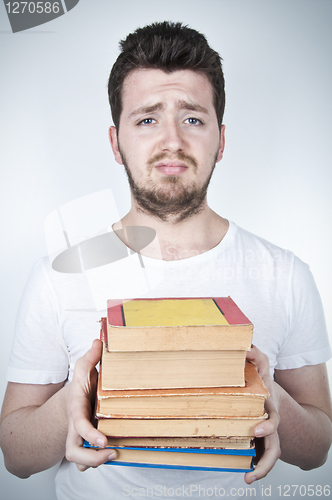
33,427
299,407
40,424
305,429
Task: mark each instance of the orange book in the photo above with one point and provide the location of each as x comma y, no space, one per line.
187,402
179,427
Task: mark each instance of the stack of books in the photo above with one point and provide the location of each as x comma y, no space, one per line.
174,388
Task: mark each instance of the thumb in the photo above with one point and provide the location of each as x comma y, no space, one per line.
87,362
252,354
93,355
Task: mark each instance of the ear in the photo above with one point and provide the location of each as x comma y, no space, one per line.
222,143
113,136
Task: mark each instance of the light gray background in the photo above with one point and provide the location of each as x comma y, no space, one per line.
274,180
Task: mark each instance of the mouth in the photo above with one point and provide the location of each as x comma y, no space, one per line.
171,168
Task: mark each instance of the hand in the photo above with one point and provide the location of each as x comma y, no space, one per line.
80,399
267,429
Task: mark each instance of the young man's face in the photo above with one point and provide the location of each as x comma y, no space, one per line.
168,139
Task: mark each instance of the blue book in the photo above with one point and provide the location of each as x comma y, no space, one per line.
212,459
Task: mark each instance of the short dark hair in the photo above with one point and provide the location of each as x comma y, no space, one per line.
167,46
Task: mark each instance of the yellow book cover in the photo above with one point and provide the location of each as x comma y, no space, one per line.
177,324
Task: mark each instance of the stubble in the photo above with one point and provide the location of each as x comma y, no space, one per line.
171,199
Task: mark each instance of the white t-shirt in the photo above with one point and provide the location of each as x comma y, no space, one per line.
57,322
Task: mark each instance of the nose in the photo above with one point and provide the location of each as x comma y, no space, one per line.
172,137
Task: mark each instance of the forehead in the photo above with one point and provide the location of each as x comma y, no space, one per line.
148,86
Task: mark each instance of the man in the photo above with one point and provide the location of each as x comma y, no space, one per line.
166,93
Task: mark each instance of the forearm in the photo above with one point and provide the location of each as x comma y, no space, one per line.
33,438
305,432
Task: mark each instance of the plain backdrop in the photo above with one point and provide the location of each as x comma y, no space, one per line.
274,180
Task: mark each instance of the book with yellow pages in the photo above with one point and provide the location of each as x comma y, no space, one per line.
179,427
212,401
228,443
177,324
124,370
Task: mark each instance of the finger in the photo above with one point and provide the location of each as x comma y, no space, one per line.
90,359
253,353
81,402
265,429
260,360
80,418
93,355
82,468
266,463
82,393
259,449
85,457
84,429
269,426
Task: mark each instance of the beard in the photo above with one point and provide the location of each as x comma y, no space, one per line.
171,199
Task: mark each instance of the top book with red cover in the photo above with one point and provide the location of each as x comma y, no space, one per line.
177,324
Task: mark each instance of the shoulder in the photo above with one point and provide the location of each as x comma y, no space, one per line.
38,284
254,242
255,250
57,290
271,267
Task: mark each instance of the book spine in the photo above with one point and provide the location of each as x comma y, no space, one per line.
230,310
103,332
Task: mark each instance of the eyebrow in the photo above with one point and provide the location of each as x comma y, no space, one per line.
192,106
159,105
147,109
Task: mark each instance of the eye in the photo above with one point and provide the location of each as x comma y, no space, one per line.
146,121
194,121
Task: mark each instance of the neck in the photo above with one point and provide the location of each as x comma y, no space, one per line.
177,240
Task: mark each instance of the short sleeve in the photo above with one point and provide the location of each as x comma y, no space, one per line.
39,353
307,341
